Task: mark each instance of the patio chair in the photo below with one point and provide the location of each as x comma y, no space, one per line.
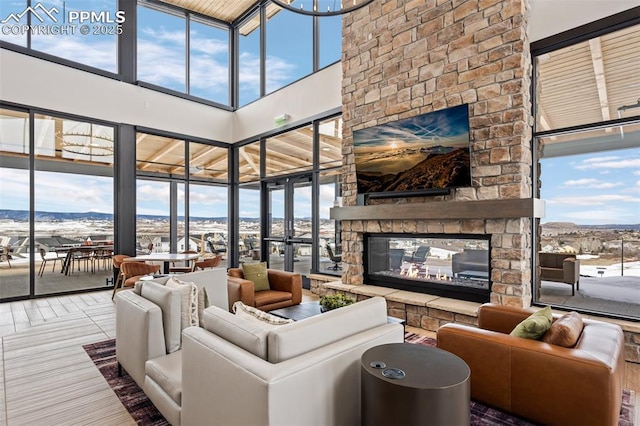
45,260
5,254
336,259
419,255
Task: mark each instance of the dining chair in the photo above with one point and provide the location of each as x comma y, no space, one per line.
117,260
45,260
133,271
101,257
188,266
208,263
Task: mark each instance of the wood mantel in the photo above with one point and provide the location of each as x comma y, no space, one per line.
474,209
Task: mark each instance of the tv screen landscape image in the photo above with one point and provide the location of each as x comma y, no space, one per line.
418,154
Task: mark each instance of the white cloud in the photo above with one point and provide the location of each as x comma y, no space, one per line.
593,200
160,65
159,194
580,182
278,72
62,192
95,51
601,216
609,163
591,183
163,35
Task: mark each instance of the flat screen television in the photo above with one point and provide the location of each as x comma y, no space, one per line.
425,154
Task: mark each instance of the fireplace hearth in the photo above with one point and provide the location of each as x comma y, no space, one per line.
449,265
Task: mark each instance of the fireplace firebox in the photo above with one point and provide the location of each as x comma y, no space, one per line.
449,265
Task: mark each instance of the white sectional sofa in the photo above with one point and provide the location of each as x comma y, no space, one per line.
140,333
232,371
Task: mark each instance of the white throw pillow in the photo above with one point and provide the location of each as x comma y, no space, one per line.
257,316
189,301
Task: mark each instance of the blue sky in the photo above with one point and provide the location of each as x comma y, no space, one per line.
601,188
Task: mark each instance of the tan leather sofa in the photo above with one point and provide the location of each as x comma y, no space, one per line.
232,371
544,383
561,268
285,290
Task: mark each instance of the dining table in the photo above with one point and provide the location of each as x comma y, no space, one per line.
166,258
81,249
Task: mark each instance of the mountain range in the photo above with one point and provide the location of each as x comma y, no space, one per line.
438,170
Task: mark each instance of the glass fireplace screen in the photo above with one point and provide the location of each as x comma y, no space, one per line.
450,260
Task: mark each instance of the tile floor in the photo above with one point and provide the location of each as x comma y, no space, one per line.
46,378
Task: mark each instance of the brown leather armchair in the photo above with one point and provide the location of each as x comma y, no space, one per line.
547,384
285,290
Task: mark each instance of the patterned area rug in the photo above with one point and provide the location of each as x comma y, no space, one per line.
103,355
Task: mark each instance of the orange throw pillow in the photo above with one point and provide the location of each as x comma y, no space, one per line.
565,331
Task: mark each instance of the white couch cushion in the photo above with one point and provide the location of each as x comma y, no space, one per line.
247,335
166,371
169,301
188,301
312,333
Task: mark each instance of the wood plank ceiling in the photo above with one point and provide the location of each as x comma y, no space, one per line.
590,81
224,10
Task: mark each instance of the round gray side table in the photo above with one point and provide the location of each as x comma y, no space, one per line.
410,384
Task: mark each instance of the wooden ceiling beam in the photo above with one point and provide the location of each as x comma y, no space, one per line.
601,82
247,157
163,152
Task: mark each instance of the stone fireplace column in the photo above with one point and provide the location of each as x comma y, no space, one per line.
405,58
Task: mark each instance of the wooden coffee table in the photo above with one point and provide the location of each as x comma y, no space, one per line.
311,309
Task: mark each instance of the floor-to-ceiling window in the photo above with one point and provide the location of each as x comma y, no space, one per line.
57,204
588,146
249,206
181,196
183,52
56,29
208,200
287,58
300,174
330,194
14,203
269,57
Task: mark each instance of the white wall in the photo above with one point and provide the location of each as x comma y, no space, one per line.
313,95
29,81
549,17
34,82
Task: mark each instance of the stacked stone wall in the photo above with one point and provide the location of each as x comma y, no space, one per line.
405,58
